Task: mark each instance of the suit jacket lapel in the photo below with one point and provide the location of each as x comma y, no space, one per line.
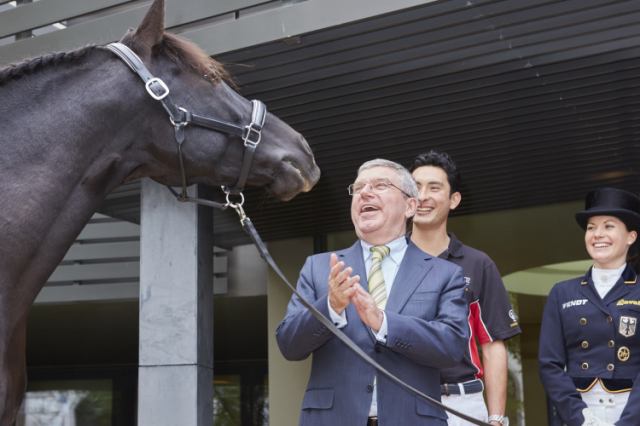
588,289
353,257
410,274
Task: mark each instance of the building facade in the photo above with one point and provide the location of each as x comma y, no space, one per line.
535,100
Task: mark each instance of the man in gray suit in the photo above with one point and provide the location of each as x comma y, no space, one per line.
409,314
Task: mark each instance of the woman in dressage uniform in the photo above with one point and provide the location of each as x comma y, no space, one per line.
589,323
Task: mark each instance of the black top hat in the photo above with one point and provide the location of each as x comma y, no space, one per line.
611,202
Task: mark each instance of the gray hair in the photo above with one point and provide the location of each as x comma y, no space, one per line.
407,183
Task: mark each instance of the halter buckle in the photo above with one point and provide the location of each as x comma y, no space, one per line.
248,141
157,97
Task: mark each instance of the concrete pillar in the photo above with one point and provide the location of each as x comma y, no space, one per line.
287,379
175,379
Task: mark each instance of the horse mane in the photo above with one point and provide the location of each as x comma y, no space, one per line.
189,56
179,50
29,66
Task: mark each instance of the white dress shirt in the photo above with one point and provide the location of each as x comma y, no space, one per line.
390,266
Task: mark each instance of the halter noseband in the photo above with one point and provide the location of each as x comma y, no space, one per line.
180,118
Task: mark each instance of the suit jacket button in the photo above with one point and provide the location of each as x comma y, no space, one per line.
583,321
369,388
610,367
377,349
609,319
611,343
585,344
585,365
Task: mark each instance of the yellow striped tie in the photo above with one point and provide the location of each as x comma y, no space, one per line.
377,289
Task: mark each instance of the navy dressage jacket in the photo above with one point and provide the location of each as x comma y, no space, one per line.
596,339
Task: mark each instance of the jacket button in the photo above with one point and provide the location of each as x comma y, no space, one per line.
585,344
377,349
585,365
369,388
609,319
611,343
610,367
601,401
583,321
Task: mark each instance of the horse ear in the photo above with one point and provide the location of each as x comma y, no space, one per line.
150,31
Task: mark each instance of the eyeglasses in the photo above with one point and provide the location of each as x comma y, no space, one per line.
376,185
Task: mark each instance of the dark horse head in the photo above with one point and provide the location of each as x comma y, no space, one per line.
76,125
283,164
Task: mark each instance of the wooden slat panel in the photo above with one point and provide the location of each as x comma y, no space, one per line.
87,293
112,27
97,231
102,271
36,15
103,251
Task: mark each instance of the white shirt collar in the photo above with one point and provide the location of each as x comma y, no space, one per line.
613,275
397,247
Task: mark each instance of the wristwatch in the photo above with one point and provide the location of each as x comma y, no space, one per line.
503,420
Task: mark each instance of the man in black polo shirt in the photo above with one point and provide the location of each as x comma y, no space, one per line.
491,318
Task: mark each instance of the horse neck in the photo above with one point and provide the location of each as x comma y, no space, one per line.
68,138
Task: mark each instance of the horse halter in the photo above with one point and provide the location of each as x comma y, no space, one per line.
181,118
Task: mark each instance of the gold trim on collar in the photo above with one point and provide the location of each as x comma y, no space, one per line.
618,391
632,282
589,387
585,283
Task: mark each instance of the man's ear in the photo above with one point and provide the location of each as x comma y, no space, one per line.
455,200
412,205
149,33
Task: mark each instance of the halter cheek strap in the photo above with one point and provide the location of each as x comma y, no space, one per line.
181,118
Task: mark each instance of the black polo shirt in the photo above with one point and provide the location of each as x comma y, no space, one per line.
491,316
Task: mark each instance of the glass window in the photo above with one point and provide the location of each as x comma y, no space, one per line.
67,403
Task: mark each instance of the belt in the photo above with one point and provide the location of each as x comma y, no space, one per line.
373,421
473,386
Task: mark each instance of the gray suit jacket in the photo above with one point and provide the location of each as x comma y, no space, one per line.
427,330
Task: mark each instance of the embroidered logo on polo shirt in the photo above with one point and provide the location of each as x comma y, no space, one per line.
622,302
574,303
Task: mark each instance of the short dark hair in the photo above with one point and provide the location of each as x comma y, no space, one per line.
443,161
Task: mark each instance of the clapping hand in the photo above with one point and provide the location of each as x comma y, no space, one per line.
341,285
367,308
